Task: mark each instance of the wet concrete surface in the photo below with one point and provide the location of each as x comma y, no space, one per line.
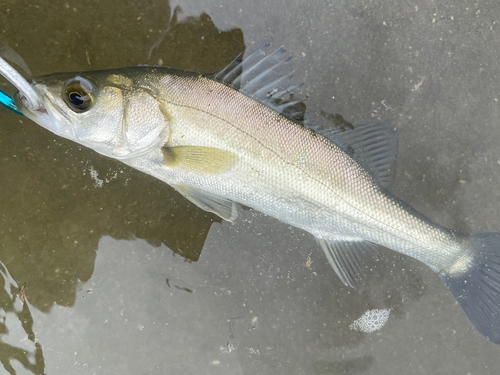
108,271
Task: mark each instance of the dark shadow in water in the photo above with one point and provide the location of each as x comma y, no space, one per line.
53,210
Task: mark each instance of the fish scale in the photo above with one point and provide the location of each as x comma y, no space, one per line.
242,137
330,179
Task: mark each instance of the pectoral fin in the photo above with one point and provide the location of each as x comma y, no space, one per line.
222,207
206,160
347,259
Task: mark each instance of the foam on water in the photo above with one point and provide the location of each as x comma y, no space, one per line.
371,320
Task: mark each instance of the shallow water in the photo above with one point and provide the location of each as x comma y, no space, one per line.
120,275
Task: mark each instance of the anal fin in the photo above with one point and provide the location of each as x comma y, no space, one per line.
346,256
225,208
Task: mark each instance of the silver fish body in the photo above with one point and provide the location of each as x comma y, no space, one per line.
291,173
219,146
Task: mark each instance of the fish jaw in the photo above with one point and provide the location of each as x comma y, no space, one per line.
48,115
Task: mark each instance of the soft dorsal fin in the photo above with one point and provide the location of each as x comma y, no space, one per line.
373,145
264,77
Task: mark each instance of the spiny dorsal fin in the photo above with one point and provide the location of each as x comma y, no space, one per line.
261,76
264,78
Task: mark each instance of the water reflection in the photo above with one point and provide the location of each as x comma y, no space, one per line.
60,199
18,344
261,298
239,307
240,314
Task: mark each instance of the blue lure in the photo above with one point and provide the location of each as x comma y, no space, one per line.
8,103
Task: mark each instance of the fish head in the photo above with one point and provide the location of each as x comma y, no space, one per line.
102,110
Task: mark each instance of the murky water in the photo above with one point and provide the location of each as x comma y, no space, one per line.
108,271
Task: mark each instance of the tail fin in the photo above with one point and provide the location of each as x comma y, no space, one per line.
474,281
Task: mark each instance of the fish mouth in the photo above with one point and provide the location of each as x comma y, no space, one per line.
31,100
47,114
28,95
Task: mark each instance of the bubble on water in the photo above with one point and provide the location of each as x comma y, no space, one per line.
371,320
95,176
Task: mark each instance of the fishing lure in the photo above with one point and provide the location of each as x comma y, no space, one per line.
7,102
27,94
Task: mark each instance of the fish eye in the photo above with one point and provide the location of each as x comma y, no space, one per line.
79,94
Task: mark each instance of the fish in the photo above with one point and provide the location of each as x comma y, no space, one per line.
241,137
